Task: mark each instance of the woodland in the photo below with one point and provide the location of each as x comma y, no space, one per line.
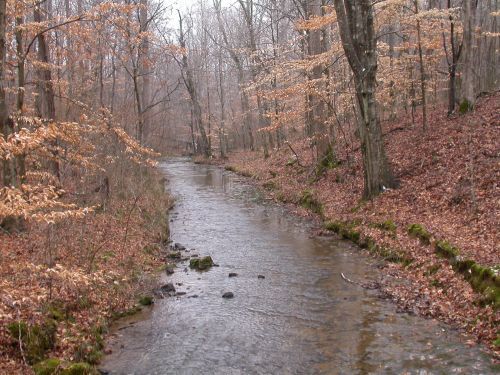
379,118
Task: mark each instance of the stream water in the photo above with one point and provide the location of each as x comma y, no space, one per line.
302,318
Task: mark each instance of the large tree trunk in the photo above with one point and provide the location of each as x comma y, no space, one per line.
47,105
5,124
452,61
422,69
468,89
356,27
317,111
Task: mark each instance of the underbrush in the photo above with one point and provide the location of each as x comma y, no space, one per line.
63,282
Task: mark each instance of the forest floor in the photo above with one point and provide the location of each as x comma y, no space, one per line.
102,265
449,186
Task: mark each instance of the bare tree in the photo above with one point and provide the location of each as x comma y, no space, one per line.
187,76
356,28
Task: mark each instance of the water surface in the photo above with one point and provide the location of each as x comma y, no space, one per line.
301,319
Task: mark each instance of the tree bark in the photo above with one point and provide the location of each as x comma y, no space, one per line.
422,69
468,87
357,32
47,104
5,124
317,111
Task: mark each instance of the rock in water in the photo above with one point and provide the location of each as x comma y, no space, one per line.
228,295
261,277
233,274
201,264
168,288
178,246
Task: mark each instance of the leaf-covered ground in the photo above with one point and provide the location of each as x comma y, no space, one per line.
449,183
101,266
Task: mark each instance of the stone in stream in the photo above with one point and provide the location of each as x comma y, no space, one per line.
178,246
201,264
228,295
180,293
261,277
169,270
233,274
175,255
167,288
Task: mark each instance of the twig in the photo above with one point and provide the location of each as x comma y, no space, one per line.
347,279
19,338
293,151
128,220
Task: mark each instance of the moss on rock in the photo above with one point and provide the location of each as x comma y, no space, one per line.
418,231
387,225
48,367
445,249
483,280
201,264
80,368
53,366
309,201
146,300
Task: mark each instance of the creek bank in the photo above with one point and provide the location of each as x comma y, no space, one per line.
54,318
424,231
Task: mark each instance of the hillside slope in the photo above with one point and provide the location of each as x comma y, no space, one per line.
449,195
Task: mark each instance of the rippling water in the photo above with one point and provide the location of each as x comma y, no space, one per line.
301,319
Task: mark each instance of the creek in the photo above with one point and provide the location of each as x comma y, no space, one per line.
302,318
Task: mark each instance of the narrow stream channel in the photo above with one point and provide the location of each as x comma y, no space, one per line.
302,318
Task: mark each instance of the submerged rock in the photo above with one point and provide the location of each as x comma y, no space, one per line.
261,277
228,295
233,274
201,264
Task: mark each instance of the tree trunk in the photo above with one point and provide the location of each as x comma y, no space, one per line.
317,111
191,88
47,104
422,69
20,159
143,66
468,89
5,124
357,32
